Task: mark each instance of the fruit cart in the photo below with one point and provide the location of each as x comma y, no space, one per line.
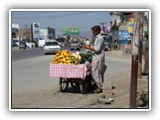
79,76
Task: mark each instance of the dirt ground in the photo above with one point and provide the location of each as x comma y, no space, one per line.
46,96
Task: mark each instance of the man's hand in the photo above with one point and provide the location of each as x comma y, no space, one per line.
86,46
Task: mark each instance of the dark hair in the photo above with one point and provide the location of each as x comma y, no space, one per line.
96,27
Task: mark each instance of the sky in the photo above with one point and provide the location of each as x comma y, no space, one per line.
81,19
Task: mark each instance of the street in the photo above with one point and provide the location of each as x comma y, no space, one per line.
18,54
33,88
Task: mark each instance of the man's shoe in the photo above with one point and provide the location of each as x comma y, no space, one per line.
98,91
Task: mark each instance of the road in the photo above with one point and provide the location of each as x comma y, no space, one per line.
25,53
19,54
33,88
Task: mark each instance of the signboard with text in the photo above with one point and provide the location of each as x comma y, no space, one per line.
130,25
43,34
36,30
72,30
123,36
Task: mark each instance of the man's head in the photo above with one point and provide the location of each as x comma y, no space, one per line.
96,30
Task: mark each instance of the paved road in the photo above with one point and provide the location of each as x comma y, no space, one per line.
25,53
19,54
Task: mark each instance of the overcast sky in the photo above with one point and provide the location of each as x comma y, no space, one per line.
83,20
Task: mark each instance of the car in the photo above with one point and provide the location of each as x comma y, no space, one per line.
75,45
51,46
22,44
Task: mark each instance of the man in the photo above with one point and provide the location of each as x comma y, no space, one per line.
98,61
140,58
146,56
88,44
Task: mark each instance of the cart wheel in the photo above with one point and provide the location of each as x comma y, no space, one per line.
74,85
82,86
63,84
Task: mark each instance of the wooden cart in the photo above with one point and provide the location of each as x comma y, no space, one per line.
83,84
77,75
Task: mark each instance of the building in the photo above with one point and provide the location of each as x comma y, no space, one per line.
33,33
15,29
24,34
122,25
51,33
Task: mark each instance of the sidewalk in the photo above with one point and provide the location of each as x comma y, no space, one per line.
118,53
121,82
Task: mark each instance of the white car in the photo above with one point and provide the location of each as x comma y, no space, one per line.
51,46
75,45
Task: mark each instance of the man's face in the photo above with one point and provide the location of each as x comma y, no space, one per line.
95,32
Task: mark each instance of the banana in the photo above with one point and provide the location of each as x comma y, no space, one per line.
66,57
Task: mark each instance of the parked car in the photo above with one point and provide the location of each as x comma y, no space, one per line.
75,45
51,46
22,44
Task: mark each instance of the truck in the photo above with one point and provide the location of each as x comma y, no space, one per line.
41,42
43,36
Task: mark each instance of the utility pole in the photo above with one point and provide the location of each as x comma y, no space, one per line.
134,66
140,45
31,33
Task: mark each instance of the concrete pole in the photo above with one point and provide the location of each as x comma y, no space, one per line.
134,66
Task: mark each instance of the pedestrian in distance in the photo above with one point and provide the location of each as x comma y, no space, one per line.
98,60
30,45
146,56
87,43
140,57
